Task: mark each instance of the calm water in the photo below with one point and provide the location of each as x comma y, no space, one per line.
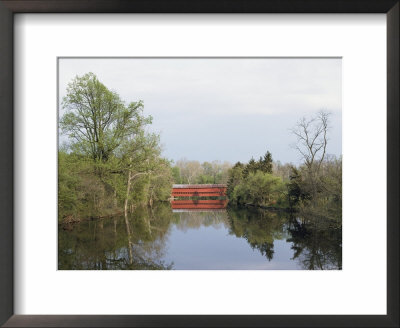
159,238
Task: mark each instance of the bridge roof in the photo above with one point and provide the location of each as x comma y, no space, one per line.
198,186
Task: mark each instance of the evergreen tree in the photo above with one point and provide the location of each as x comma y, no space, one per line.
266,163
251,167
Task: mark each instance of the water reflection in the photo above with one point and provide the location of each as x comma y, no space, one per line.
315,248
198,204
259,228
232,238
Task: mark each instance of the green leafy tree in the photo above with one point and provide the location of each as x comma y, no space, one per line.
97,119
236,175
176,174
111,161
67,184
140,157
259,189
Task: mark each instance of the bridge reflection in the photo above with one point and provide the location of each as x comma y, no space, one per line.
198,205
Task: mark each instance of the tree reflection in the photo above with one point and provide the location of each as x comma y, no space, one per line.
316,242
259,227
315,246
134,242
139,241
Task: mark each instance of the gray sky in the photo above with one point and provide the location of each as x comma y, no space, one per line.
223,109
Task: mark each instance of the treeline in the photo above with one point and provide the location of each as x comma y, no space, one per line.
318,190
254,183
251,183
109,163
313,189
194,172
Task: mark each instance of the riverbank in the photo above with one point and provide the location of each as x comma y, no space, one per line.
271,208
69,221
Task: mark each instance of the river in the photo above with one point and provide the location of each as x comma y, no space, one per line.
217,239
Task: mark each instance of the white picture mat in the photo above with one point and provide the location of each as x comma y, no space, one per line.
360,288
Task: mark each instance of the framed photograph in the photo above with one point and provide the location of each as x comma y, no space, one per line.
199,163
182,171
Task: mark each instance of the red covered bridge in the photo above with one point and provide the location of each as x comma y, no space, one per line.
198,190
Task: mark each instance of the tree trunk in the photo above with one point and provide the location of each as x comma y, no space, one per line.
128,189
115,199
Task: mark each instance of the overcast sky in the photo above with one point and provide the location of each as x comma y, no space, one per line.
223,109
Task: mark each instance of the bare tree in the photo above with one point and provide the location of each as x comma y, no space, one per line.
190,170
312,139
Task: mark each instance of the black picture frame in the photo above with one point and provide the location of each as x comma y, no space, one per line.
7,10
